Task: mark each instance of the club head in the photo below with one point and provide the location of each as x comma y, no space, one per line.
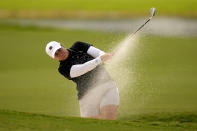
152,11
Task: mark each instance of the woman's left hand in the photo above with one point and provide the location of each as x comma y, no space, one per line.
106,57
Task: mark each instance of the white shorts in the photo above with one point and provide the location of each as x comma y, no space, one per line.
98,97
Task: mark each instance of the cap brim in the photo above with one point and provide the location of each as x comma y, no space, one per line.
55,49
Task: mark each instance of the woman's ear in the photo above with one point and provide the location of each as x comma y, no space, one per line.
62,45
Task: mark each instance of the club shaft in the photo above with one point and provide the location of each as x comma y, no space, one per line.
140,27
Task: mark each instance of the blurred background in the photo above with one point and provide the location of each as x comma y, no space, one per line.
161,71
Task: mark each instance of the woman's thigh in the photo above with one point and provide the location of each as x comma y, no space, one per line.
111,97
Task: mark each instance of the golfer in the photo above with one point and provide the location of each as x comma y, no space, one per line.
83,64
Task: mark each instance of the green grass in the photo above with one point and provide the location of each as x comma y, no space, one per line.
162,82
124,7
101,5
10,120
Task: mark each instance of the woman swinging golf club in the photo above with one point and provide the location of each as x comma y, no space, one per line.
82,63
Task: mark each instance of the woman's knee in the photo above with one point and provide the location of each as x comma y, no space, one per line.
109,112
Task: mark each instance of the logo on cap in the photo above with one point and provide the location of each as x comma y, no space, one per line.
50,47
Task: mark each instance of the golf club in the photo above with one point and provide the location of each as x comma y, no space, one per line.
152,11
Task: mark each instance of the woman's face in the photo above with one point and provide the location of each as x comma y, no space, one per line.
61,54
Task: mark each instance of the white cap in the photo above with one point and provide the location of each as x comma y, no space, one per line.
52,47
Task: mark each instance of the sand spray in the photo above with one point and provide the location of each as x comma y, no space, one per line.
119,66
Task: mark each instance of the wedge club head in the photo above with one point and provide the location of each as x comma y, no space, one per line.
152,11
